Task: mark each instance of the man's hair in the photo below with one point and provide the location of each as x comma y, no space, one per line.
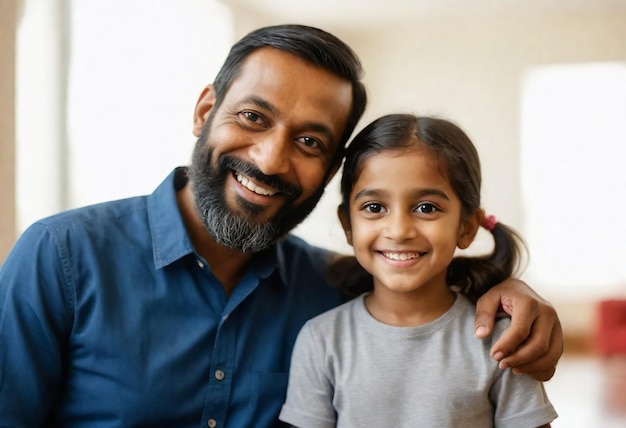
311,44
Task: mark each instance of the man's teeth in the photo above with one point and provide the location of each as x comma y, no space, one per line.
253,187
400,256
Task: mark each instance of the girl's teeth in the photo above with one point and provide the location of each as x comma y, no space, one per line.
401,256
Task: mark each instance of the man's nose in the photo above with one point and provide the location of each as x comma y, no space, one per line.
270,153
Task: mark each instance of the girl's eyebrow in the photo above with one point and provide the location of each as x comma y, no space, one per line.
431,192
370,193
417,193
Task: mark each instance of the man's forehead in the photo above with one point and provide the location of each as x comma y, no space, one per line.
267,55
279,80
268,62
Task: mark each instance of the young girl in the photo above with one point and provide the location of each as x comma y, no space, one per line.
404,354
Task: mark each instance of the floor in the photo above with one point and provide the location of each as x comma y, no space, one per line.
589,392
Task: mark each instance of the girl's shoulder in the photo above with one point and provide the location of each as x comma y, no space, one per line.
342,317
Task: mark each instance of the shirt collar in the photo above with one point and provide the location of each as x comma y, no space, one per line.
280,257
264,263
170,241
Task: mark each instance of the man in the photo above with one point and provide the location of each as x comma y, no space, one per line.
180,309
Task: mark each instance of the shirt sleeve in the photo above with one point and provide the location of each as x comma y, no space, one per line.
34,326
310,390
519,400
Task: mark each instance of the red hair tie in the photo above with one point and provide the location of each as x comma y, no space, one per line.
489,223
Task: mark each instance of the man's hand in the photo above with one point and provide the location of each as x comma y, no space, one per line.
533,343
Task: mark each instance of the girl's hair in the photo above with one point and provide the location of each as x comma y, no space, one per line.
457,159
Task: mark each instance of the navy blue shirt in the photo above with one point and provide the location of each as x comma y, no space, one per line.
108,318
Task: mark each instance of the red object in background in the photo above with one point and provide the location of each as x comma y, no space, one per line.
611,328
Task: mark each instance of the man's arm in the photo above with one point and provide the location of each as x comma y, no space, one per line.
533,344
33,324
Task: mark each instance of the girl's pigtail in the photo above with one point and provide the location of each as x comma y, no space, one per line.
473,276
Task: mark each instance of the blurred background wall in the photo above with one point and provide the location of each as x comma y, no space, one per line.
8,229
105,90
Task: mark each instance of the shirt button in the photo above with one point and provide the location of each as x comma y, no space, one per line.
220,375
212,423
200,264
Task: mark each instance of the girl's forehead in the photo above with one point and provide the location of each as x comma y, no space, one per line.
401,165
402,156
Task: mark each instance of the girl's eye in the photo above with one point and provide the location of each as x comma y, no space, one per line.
373,208
426,208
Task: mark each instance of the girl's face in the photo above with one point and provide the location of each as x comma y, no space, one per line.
405,221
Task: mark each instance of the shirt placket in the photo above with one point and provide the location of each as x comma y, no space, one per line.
224,356
220,381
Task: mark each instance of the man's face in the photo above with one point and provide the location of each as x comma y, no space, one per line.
265,153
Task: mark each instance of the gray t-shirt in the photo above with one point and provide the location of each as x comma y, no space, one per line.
350,370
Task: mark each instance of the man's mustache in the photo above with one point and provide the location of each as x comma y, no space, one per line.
246,168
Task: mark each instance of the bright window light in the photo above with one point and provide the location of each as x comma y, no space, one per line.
573,165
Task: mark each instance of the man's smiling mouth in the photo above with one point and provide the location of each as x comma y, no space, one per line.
259,190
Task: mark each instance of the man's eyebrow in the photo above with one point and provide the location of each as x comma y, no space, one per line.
259,102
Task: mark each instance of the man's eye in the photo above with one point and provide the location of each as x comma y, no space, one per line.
426,208
310,145
251,116
373,208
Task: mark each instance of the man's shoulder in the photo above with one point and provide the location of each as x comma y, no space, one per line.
304,267
295,251
73,234
93,223
95,215
292,241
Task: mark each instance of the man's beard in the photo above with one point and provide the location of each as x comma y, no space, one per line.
241,231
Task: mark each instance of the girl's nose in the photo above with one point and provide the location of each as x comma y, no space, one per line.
399,227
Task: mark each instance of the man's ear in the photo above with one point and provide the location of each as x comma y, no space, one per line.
205,103
469,228
344,218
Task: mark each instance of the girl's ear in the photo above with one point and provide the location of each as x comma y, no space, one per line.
468,229
205,103
344,218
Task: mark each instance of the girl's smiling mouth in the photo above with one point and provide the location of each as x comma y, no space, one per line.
402,255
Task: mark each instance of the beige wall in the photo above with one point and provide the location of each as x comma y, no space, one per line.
472,71
8,10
